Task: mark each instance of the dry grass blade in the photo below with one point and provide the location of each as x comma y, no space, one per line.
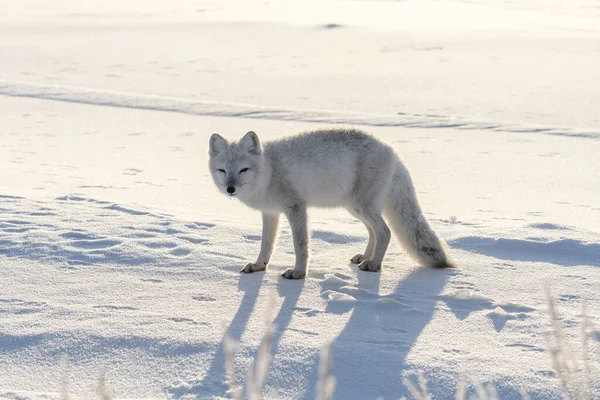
461,386
586,329
487,392
420,392
574,374
64,378
326,383
259,370
102,389
560,353
230,346
525,395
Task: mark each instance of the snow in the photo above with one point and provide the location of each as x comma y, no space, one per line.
118,252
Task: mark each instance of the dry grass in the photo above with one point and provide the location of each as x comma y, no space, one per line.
102,389
419,391
64,378
574,370
326,383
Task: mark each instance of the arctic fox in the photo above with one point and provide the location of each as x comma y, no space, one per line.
325,168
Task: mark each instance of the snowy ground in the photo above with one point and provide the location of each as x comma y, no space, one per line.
117,250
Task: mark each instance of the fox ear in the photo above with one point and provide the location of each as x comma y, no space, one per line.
216,145
251,143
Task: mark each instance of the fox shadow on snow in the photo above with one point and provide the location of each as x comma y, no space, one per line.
215,379
369,354
568,252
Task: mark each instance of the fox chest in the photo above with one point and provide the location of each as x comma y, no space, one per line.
265,203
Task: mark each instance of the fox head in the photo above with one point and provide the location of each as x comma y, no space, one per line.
235,166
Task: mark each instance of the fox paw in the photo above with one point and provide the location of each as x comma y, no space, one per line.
293,274
368,265
357,259
252,267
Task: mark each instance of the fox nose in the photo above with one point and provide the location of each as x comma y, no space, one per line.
230,189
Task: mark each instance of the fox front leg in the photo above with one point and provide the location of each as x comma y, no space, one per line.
269,233
298,222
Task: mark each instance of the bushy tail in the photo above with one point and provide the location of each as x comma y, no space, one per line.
409,224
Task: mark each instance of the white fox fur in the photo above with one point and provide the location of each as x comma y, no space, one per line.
325,168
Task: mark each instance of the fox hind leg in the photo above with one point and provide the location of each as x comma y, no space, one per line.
357,259
379,238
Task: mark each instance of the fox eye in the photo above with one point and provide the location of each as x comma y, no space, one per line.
221,170
243,170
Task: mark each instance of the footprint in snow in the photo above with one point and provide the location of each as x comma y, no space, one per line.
463,302
116,207
332,280
526,347
42,214
504,266
193,240
188,321
10,198
306,311
302,331
500,317
132,171
200,225
17,222
157,245
140,235
173,231
549,226
16,230
77,236
95,244
566,298
18,306
180,252
338,303
342,297
202,297
255,238
151,280
116,308
168,231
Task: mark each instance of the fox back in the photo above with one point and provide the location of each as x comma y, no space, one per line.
321,168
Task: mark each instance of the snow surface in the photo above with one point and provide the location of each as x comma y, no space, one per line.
117,251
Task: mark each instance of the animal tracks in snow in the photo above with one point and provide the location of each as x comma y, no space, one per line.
201,297
18,306
109,307
80,231
463,302
200,225
96,244
341,295
187,321
117,207
193,240
549,247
